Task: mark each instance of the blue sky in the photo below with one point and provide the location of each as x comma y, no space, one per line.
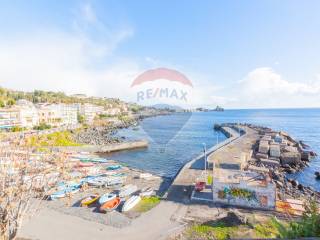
239,54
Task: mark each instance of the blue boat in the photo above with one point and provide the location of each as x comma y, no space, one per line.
98,160
114,167
118,175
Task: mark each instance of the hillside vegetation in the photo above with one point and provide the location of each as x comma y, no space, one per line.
9,97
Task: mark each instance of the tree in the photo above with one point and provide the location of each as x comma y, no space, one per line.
81,118
11,102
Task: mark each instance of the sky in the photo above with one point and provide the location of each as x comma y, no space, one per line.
237,54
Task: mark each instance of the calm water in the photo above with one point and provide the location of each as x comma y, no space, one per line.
173,142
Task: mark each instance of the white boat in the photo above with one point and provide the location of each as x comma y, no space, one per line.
98,181
146,192
115,181
130,203
107,197
127,190
146,175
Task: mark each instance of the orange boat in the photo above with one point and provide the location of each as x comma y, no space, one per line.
89,200
110,205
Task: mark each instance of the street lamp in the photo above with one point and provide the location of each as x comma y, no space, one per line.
205,156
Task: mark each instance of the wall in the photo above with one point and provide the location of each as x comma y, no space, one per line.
264,197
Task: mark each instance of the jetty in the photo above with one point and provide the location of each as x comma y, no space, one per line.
107,148
248,170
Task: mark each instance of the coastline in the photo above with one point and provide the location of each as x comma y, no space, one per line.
175,206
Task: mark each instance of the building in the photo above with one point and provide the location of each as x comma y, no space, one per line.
24,114
50,114
58,114
89,111
29,116
112,111
69,114
9,117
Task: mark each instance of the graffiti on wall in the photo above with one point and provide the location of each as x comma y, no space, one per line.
236,193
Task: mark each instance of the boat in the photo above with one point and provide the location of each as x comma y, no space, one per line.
97,181
85,164
146,192
68,185
99,160
110,205
115,181
107,197
130,203
84,160
57,195
89,200
145,175
127,190
118,175
63,193
110,173
114,167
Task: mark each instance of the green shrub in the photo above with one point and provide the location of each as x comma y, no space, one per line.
307,226
42,126
147,203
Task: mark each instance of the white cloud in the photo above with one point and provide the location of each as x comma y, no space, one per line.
263,87
70,61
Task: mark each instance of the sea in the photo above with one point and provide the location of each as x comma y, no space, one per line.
178,138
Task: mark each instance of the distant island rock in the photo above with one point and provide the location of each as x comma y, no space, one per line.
217,109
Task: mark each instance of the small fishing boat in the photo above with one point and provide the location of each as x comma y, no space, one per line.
107,197
110,205
110,173
57,195
85,164
127,190
63,186
115,181
99,160
97,181
85,160
130,203
114,167
118,175
63,193
89,200
146,192
146,176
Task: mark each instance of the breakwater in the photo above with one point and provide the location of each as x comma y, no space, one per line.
107,148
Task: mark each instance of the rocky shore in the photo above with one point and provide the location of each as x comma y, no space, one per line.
97,136
105,135
279,154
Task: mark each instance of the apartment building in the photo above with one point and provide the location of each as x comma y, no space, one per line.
28,113
50,114
89,111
